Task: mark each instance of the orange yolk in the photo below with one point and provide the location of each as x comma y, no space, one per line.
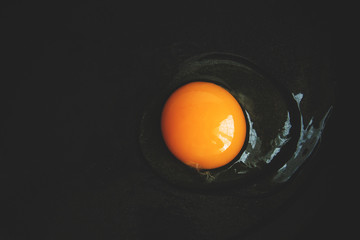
203,125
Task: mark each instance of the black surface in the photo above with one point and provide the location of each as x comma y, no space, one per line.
73,86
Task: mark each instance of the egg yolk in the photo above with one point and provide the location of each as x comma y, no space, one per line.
203,125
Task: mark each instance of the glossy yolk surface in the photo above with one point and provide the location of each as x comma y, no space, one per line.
203,125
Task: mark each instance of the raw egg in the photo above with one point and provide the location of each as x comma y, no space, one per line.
203,125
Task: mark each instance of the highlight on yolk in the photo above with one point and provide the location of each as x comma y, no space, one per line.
203,125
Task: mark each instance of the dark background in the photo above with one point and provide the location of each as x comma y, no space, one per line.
73,87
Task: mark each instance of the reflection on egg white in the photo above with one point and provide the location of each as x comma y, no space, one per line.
309,137
252,156
251,160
